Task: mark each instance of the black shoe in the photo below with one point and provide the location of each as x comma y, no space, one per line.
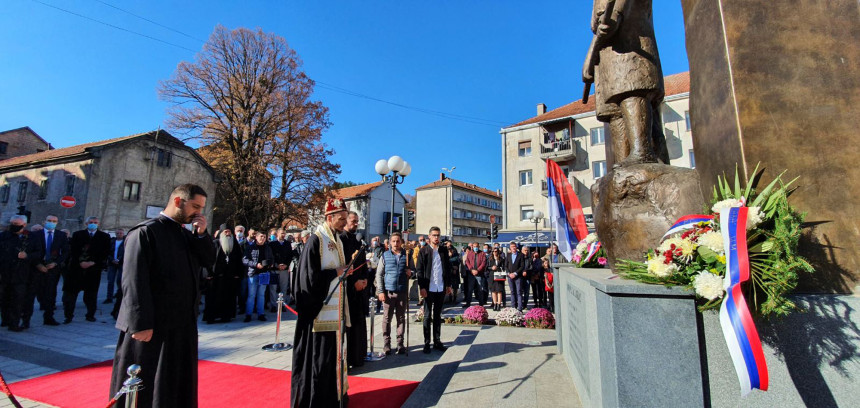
426,349
15,329
107,301
247,318
51,322
387,350
401,350
91,319
261,318
439,346
67,320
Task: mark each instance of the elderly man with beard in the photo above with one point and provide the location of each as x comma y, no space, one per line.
319,376
158,316
224,281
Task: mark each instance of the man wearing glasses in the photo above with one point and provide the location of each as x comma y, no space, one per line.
434,271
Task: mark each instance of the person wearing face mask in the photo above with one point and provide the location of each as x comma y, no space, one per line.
18,254
89,252
242,290
44,286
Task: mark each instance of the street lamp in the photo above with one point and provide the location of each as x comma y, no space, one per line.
399,169
536,218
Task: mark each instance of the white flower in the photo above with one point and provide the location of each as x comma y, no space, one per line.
712,240
659,269
754,217
727,203
686,246
708,285
581,247
590,238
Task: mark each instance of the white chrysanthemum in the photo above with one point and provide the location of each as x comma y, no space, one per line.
727,203
712,240
686,246
708,285
667,244
590,238
581,247
754,217
659,269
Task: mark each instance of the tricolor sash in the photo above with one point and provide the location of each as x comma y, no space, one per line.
738,327
687,222
331,254
592,249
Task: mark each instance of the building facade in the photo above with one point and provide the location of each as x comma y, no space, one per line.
573,137
21,142
122,181
372,202
461,210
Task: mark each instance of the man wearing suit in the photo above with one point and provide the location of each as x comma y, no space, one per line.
516,264
114,268
434,280
90,249
43,286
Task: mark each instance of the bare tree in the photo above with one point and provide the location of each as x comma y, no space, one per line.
248,101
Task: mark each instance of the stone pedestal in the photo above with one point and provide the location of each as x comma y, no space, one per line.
777,83
635,205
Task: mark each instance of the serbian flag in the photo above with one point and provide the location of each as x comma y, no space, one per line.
565,211
738,327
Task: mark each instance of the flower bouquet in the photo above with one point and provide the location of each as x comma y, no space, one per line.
539,318
509,316
589,253
419,315
475,315
693,255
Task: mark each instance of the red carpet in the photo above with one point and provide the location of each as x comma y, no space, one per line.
87,387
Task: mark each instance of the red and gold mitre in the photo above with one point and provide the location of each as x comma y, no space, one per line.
334,205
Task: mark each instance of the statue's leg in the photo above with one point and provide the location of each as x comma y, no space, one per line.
659,138
618,143
638,115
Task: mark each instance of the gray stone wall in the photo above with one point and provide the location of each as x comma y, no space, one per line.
21,142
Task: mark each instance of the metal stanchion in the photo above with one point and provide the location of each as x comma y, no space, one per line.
277,345
131,386
371,355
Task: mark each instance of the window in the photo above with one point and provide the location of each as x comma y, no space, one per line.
525,148
22,191
526,212
599,168
526,178
566,170
597,137
164,158
692,160
3,147
131,191
43,189
4,193
687,117
70,184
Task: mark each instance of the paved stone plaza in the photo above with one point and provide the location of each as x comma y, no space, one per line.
483,366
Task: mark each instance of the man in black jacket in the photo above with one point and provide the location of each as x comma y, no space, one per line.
55,245
18,254
282,252
158,316
516,266
90,249
434,280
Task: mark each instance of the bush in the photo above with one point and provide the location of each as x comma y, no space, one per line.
539,318
475,315
509,316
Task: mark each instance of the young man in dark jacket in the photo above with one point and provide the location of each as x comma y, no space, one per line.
258,259
434,279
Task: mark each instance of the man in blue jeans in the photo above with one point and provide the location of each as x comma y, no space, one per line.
114,269
258,258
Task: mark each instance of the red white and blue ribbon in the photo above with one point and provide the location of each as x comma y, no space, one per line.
687,222
592,249
738,327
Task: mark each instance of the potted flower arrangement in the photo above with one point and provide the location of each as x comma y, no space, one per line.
589,253
694,256
475,315
509,316
539,318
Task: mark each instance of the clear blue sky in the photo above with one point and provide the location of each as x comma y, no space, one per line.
74,80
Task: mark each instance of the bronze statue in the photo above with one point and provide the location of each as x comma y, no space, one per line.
629,81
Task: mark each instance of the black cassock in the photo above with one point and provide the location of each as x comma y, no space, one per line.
314,377
224,283
356,334
160,292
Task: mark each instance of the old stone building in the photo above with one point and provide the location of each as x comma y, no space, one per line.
372,202
20,142
123,181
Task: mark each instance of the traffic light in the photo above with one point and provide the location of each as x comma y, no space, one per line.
494,231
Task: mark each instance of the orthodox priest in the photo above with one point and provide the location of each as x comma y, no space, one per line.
356,335
319,375
158,315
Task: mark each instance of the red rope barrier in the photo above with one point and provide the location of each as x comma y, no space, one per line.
5,388
111,403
